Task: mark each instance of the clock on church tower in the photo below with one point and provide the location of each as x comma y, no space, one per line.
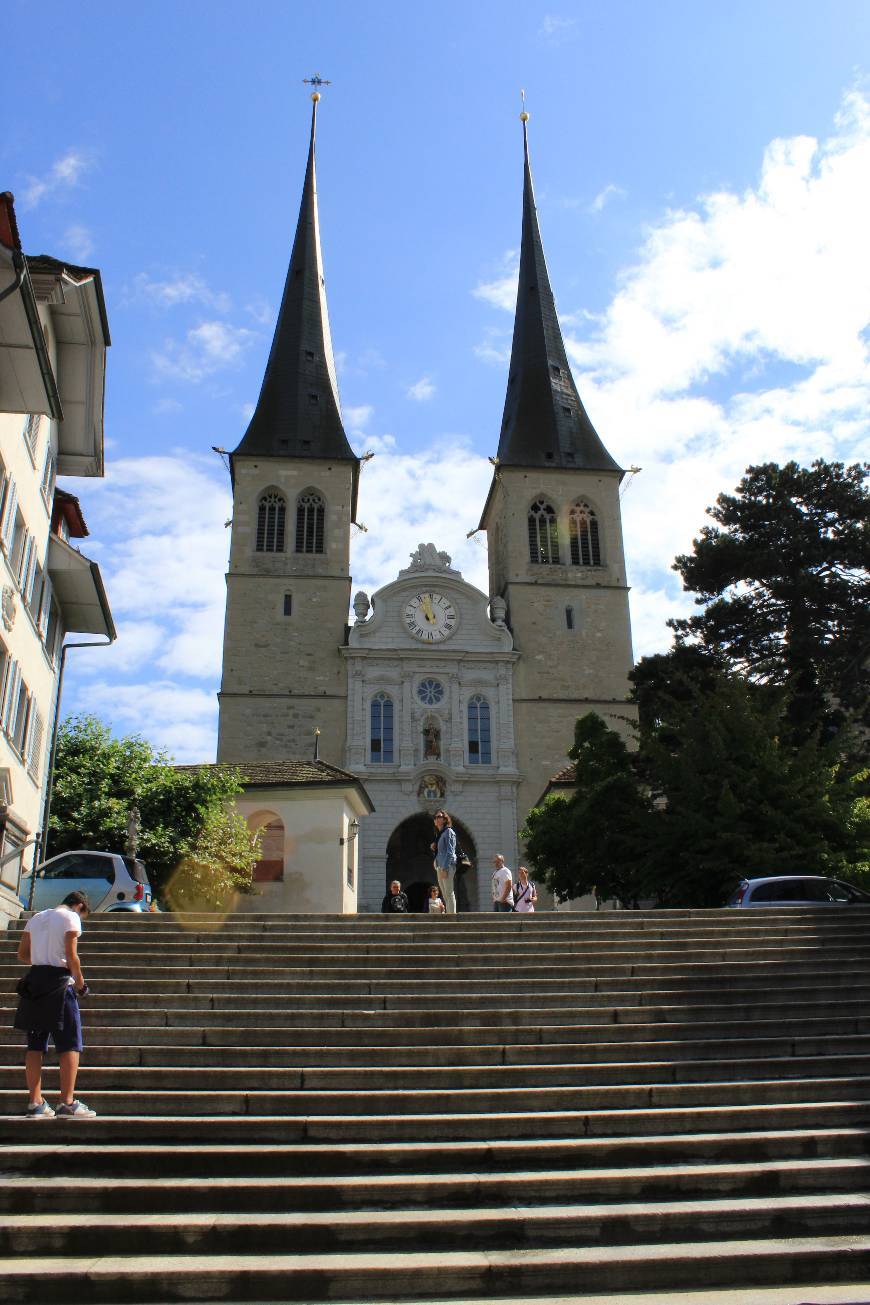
430,617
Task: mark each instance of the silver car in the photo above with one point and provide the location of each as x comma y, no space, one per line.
797,890
110,882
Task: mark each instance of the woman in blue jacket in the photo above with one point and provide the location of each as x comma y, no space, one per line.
445,858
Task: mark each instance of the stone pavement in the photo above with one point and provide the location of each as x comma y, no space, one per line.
576,1108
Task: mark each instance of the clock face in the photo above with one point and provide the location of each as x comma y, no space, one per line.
430,617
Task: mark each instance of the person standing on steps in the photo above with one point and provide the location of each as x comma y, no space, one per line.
48,1005
434,904
525,892
502,885
445,858
395,901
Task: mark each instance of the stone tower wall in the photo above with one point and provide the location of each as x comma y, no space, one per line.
284,676
562,673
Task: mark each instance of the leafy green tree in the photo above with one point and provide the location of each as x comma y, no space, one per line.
594,840
783,577
217,867
738,797
98,778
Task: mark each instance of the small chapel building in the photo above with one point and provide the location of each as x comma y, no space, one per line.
436,694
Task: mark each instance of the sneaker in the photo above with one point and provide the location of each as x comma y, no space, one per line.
75,1110
42,1111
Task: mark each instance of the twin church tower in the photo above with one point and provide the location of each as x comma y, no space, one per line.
431,691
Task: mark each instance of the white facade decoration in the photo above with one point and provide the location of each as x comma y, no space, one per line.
430,681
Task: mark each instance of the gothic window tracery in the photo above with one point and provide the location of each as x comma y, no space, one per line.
271,517
381,730
543,533
583,536
479,732
310,522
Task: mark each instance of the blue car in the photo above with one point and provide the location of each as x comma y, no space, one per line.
110,882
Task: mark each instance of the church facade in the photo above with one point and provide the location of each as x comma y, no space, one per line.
432,692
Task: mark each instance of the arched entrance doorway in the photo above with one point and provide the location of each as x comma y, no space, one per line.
270,866
409,859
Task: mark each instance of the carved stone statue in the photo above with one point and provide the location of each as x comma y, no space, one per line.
131,847
361,606
426,557
431,741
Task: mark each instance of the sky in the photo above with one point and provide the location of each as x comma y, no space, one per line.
702,174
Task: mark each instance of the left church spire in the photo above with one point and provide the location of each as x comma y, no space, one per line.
298,413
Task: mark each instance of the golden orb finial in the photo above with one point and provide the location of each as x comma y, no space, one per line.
315,95
524,117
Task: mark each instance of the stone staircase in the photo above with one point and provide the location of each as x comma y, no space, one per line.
566,1107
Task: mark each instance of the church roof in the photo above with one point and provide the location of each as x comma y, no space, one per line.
298,414
291,772
544,423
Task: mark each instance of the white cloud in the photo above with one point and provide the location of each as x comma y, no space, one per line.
604,195
64,174
357,418
737,337
158,533
502,292
163,406
207,348
555,27
495,347
261,311
402,497
173,717
421,391
181,288
78,241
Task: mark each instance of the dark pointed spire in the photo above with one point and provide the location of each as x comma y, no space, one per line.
544,423
298,414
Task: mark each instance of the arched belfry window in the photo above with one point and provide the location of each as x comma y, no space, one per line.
479,732
310,521
583,536
381,732
271,517
543,532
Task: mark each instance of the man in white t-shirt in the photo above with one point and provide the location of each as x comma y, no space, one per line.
502,885
49,1005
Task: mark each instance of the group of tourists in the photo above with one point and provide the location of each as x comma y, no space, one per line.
518,895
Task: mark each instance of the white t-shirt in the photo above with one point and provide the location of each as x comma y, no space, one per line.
47,932
501,877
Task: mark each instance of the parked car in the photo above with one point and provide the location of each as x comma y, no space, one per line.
110,881
798,890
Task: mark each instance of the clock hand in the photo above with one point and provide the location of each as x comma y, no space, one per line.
427,609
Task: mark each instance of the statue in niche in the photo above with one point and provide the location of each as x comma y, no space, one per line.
431,741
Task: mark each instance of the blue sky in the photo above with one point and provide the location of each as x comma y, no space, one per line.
703,183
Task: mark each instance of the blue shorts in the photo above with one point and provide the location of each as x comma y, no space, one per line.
68,1037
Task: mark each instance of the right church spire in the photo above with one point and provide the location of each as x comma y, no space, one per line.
544,422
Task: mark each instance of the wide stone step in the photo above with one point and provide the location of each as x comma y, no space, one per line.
469,986
298,1010
174,1050
382,1078
258,1151
151,1029
78,1195
544,1108
413,1230
380,1275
